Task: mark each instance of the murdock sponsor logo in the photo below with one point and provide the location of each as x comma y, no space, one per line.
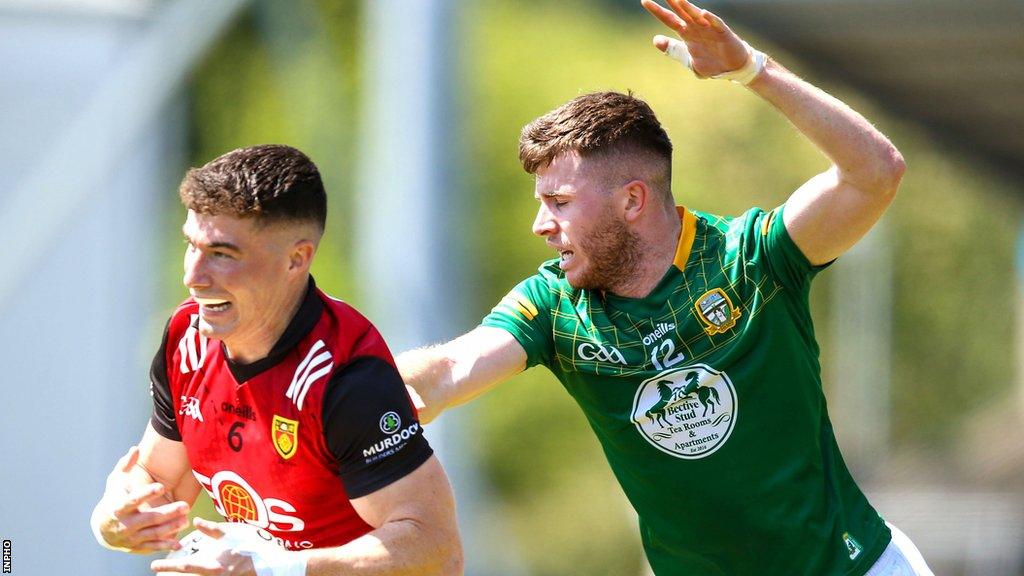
392,441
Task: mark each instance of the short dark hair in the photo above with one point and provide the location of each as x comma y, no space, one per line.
595,124
270,182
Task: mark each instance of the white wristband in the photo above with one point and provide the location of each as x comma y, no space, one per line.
756,62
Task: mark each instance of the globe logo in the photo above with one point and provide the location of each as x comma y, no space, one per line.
238,504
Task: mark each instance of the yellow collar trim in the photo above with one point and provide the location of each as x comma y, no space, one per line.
686,236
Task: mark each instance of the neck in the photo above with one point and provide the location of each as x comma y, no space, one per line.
269,331
658,242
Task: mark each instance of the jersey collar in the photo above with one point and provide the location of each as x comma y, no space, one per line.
303,321
686,236
655,301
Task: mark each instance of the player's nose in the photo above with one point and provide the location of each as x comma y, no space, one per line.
544,223
195,270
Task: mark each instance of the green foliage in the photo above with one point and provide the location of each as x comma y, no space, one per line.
956,296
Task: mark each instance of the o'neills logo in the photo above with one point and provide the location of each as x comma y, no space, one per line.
392,442
660,330
240,411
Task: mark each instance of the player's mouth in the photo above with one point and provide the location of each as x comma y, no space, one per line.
565,258
213,305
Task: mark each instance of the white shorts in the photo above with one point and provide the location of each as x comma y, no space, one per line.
900,558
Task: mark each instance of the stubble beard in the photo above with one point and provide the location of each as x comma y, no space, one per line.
614,254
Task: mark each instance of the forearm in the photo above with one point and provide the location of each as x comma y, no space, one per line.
458,371
428,372
863,156
403,547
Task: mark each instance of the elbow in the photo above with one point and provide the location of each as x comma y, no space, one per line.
891,168
880,177
448,557
455,563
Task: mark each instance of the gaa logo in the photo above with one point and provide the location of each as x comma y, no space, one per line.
688,412
597,352
390,422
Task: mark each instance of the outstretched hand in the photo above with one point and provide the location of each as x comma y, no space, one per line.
712,46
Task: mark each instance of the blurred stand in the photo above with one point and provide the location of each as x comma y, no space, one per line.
408,221
93,121
862,319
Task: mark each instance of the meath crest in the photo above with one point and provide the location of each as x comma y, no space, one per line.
716,311
688,413
285,435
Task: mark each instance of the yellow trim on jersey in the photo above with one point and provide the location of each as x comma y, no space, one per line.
686,236
767,223
521,305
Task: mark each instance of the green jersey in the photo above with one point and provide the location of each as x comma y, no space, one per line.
706,397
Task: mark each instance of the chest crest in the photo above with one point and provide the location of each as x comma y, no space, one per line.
716,311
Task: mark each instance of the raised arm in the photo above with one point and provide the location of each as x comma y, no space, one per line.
833,210
147,497
453,373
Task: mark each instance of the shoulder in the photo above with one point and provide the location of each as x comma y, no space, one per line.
733,229
538,292
182,343
550,275
184,316
350,333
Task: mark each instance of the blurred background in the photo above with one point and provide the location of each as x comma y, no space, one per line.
412,110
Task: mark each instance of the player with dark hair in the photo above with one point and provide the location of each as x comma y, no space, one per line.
283,403
685,337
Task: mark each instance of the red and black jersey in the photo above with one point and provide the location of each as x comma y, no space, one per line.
285,442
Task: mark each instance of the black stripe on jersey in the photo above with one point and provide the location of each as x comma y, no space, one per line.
370,426
163,420
304,321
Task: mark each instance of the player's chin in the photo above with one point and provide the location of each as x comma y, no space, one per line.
578,280
218,329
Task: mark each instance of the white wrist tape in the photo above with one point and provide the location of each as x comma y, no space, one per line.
268,559
756,62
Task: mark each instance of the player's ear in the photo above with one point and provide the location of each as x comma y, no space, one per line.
636,195
301,256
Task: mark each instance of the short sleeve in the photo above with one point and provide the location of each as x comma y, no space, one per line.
162,419
525,312
780,255
370,426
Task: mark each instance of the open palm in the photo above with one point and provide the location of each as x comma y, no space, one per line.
713,47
